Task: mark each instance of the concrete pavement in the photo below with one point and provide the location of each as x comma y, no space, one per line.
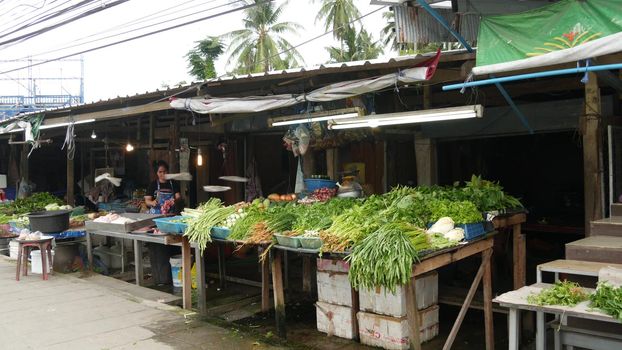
69,312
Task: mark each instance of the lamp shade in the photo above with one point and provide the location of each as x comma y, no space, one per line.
2,181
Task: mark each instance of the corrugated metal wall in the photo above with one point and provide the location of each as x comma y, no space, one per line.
415,25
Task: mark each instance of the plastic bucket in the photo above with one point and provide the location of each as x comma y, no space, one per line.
13,249
176,270
35,262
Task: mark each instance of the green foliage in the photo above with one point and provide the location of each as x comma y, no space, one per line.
462,212
36,202
562,293
358,47
201,58
608,299
257,47
337,15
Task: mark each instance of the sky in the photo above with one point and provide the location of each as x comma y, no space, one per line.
148,63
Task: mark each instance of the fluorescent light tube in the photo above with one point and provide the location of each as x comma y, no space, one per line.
316,119
50,126
412,117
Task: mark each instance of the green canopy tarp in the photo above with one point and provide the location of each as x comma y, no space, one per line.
566,31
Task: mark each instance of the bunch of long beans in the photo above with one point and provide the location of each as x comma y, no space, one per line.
199,229
385,257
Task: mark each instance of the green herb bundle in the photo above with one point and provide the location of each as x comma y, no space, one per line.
463,212
608,299
36,202
243,227
561,293
385,257
212,214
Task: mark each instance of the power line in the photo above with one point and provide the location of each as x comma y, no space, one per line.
38,20
62,23
135,29
140,36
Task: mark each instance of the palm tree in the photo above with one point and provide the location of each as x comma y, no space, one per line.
361,46
258,47
389,37
337,15
201,58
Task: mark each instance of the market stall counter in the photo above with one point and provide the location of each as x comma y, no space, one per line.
139,236
427,263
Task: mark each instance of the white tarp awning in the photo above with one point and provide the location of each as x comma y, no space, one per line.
331,92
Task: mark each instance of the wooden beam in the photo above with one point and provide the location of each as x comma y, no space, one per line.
279,293
425,157
186,273
435,262
112,113
592,137
332,163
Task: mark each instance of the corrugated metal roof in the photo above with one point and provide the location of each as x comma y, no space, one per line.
399,61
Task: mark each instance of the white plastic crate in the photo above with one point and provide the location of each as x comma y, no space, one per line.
334,288
383,302
392,332
334,320
330,265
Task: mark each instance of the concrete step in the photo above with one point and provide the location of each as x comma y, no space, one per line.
607,227
616,209
606,249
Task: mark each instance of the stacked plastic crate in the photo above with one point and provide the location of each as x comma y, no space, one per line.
382,319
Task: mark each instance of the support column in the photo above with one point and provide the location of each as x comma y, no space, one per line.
70,183
332,163
23,164
425,156
592,148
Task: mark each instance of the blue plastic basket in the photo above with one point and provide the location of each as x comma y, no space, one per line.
314,184
472,231
165,225
220,232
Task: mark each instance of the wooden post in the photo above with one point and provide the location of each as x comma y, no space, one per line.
354,312
425,156
187,273
332,163
265,282
592,181
307,270
488,317
518,256
308,164
70,183
414,324
23,164
279,294
221,266
202,291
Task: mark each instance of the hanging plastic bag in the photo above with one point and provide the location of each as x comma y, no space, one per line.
304,137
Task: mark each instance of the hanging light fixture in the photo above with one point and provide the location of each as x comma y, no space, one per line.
93,135
411,117
199,157
345,113
129,147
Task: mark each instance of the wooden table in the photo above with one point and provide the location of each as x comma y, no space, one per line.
138,238
519,245
517,300
265,270
428,263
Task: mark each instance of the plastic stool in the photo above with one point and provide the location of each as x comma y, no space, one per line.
23,251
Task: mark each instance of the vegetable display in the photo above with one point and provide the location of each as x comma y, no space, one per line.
608,299
382,235
36,202
385,257
212,213
561,293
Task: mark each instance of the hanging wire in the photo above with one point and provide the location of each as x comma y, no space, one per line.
70,141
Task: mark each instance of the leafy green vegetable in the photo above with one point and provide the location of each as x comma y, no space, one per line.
562,293
213,213
385,257
36,202
608,299
463,212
